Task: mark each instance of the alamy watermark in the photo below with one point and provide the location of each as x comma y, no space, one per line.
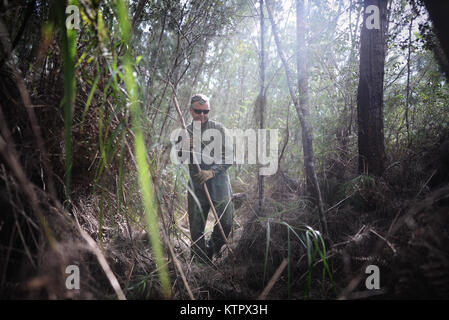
72,282
373,20
73,20
373,280
227,147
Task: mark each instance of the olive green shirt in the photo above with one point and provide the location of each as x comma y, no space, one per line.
219,185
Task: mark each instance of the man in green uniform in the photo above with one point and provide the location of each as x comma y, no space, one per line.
216,177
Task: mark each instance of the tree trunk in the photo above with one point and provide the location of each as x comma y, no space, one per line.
261,99
438,10
407,94
302,105
304,97
139,12
370,90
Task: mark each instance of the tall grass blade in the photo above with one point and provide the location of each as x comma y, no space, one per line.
144,177
89,100
69,56
309,246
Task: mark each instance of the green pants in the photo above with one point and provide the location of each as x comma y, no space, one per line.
220,193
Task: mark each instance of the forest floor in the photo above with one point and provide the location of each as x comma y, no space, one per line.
403,236
374,224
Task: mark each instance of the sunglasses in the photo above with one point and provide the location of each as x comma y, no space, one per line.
200,111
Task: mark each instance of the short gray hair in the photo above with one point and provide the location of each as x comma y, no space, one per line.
201,98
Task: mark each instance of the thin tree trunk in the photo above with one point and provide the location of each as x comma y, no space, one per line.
303,103
407,98
261,99
287,136
301,106
139,12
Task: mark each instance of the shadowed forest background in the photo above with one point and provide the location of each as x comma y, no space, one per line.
86,177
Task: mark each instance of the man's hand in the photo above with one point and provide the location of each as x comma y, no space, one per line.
204,175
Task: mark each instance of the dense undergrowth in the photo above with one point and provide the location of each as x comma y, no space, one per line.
399,226
97,220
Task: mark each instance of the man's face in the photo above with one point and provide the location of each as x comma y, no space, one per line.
201,116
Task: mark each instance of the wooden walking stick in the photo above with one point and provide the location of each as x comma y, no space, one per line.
206,190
